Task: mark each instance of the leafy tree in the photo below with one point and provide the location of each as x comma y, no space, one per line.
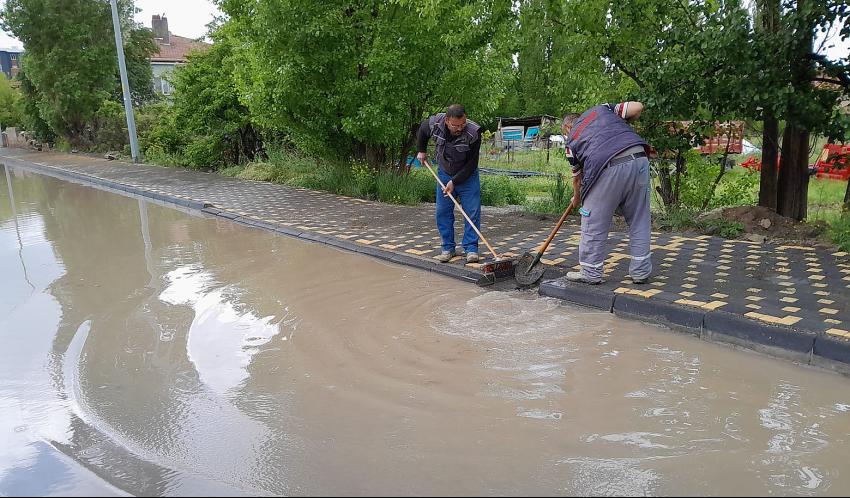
10,104
206,124
347,78
70,59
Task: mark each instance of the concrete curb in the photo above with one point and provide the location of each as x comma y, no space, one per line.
727,327
585,295
682,318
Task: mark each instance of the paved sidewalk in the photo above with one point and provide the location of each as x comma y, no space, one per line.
784,297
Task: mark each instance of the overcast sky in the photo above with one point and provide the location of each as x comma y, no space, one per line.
189,18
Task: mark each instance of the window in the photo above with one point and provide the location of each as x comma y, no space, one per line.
166,87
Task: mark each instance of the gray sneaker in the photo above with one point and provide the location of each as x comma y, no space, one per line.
445,256
575,276
472,257
640,281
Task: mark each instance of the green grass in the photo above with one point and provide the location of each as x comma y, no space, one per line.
528,160
839,231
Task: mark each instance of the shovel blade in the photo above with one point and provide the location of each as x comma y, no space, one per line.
526,274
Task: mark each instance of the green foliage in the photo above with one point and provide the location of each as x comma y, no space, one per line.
352,79
206,126
353,179
11,104
722,227
500,191
839,231
70,60
676,218
700,189
32,120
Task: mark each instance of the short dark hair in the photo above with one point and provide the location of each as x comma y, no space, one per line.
455,111
569,119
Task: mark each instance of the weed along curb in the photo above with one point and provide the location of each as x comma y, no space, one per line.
786,301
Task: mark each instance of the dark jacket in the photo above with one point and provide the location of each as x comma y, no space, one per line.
456,155
596,137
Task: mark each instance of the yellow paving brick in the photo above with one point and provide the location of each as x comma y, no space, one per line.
791,309
825,301
713,305
839,333
787,320
754,298
828,311
686,294
689,286
789,299
367,241
753,289
418,252
832,321
635,292
754,306
720,295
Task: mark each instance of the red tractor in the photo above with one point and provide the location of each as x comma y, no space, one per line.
834,162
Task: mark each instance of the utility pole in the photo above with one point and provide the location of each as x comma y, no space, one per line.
125,84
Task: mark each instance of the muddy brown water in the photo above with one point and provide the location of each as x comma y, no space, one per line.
150,351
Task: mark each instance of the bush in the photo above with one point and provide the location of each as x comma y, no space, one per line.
500,191
698,191
839,231
677,218
560,195
722,227
405,189
110,127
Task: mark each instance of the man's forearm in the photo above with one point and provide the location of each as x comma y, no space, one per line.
577,185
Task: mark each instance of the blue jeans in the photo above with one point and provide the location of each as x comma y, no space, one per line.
468,194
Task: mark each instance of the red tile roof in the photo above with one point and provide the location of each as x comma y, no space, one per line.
177,49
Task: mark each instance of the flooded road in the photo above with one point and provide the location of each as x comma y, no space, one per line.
149,351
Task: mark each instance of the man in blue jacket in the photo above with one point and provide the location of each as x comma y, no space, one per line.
610,171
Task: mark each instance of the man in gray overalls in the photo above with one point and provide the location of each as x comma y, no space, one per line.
610,172
458,142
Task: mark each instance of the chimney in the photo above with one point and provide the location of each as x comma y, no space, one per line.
159,24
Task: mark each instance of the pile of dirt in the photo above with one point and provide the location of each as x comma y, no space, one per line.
762,224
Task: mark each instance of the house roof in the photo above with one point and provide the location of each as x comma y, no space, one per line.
177,50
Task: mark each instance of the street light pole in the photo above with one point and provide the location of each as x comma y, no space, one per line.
125,84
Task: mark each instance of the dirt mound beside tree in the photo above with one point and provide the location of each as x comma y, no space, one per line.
760,221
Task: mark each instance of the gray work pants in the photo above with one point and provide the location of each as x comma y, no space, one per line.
625,186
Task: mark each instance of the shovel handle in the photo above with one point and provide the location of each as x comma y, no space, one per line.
457,204
552,235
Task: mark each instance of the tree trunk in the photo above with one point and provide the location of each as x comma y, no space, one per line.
405,148
793,192
665,186
768,189
768,22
